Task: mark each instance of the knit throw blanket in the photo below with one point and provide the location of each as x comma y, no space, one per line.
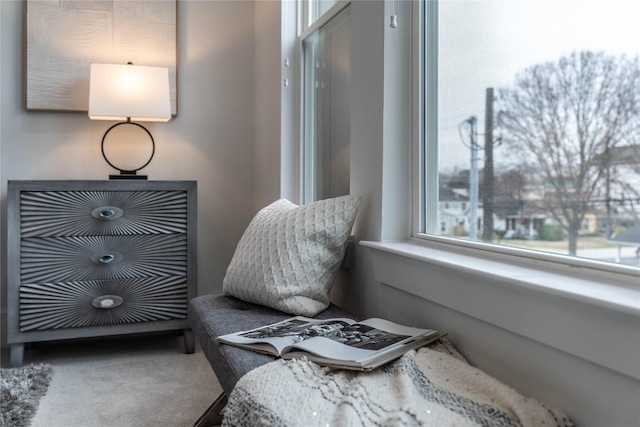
431,386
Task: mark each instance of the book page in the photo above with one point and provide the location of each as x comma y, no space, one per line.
394,328
285,333
334,354
362,342
356,341
330,349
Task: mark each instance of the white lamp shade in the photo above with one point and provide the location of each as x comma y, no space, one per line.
118,92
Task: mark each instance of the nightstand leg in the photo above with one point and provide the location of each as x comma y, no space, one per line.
189,342
17,355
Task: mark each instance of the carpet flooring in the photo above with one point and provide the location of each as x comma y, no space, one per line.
125,381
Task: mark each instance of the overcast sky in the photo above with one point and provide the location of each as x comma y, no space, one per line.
492,40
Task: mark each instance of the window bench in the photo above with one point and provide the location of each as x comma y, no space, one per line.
214,315
469,397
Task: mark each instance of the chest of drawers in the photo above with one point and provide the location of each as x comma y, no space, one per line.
97,258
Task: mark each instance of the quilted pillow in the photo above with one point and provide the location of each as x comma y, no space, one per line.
288,256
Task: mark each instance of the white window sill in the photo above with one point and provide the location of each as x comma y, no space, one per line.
590,313
616,292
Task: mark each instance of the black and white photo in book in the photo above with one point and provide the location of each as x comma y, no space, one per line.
295,329
355,335
365,337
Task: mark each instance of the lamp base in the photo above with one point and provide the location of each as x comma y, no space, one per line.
127,173
128,176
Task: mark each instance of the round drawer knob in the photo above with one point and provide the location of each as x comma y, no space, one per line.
107,213
107,302
106,259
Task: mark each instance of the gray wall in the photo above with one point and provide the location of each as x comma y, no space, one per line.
211,140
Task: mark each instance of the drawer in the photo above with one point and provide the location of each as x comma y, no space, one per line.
61,259
101,302
82,213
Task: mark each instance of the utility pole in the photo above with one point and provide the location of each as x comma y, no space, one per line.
473,180
487,194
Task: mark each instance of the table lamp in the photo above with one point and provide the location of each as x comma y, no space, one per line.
129,93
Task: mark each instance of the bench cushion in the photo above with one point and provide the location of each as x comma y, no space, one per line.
213,315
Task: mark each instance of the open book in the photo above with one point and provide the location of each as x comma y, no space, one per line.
338,343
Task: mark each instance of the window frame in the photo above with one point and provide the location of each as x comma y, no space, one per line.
307,30
425,166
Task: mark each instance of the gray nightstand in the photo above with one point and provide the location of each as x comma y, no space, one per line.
97,258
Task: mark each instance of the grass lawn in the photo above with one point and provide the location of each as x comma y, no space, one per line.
590,242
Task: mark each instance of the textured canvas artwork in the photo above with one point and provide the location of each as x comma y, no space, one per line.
65,36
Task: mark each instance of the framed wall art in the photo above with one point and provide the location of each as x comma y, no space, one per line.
63,38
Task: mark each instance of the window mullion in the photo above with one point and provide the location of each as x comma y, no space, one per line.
431,119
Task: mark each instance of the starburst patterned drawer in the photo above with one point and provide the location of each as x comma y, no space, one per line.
54,259
102,302
94,213
97,258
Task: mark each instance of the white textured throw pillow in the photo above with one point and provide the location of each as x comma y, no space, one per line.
288,256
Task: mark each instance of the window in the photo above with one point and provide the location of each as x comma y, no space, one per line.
312,10
532,126
326,107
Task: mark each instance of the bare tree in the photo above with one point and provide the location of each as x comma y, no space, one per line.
566,117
